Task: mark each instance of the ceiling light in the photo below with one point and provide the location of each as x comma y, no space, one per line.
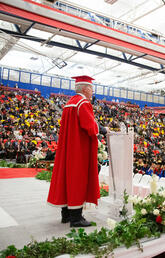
49,46
99,57
34,58
59,63
50,1
110,1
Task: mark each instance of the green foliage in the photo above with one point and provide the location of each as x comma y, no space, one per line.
32,162
125,197
98,243
124,211
44,175
103,192
10,250
4,163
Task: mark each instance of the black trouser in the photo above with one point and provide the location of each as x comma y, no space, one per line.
65,213
2,154
74,214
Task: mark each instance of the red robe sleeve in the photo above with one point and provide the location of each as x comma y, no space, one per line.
86,118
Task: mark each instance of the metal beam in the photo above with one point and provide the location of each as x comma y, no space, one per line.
28,28
161,66
137,57
90,44
80,49
17,28
124,55
49,39
129,59
78,43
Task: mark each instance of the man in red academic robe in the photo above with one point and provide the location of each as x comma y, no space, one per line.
75,173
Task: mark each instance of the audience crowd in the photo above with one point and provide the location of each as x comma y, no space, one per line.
29,127
149,134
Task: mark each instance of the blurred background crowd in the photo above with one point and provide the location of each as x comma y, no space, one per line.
29,127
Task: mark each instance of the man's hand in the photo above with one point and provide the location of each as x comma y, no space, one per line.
107,129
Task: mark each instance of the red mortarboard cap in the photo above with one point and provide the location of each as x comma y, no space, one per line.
83,79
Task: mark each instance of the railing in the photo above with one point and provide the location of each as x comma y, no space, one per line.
19,90
52,84
122,103
59,95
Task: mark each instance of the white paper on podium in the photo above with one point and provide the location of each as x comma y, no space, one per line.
121,169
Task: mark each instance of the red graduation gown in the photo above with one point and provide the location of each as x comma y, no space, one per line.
75,173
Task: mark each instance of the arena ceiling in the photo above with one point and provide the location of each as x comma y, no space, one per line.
43,58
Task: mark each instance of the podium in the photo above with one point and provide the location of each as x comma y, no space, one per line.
120,148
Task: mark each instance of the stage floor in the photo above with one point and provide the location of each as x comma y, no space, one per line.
25,215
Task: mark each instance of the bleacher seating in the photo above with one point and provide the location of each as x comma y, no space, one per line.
37,121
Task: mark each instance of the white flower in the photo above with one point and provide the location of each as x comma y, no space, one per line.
143,211
136,199
40,156
105,155
99,156
144,200
111,223
139,198
36,156
131,199
163,208
156,212
99,144
148,200
162,193
163,203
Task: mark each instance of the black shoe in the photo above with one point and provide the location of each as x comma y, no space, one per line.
65,220
81,223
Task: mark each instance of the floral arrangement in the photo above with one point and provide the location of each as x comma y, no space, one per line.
39,155
150,208
34,158
102,154
32,162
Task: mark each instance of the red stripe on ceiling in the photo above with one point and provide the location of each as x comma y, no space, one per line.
77,30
